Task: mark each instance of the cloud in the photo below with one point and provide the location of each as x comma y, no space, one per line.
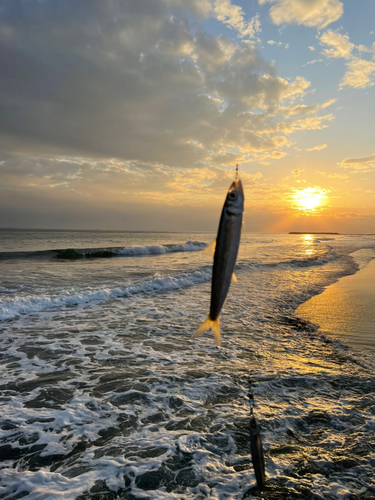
263,159
353,215
136,83
317,148
297,171
340,46
316,13
119,180
272,42
304,110
360,73
227,159
115,103
314,61
366,163
311,48
174,99
332,176
233,16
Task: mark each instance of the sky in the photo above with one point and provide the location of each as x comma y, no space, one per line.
132,114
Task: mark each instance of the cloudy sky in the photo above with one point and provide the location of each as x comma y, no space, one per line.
131,114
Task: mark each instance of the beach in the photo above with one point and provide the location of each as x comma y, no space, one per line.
346,309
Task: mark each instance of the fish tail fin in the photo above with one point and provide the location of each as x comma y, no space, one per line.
209,323
216,329
204,327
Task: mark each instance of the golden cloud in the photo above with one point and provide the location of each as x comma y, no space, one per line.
361,72
317,13
317,148
363,163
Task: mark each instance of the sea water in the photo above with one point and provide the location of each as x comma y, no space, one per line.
104,394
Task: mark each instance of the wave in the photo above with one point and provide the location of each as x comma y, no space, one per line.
310,261
12,308
87,253
313,260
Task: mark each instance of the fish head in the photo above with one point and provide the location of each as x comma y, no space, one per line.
235,198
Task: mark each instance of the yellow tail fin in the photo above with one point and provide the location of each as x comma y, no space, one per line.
209,323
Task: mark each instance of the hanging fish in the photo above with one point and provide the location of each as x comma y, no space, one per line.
257,458
226,249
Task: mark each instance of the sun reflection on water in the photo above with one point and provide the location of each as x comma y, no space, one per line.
307,241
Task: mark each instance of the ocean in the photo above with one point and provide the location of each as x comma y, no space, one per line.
105,395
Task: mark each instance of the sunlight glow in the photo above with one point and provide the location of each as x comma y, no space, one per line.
309,199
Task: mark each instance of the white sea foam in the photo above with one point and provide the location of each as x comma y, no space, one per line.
43,485
11,308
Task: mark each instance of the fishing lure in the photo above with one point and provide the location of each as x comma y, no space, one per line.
256,447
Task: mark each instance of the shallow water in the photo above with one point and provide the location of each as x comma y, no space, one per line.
345,310
105,395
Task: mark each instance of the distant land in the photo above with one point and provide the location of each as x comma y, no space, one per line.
308,232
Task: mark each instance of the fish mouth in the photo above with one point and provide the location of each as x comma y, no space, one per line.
237,184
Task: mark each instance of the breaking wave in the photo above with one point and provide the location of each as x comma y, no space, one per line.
12,308
87,253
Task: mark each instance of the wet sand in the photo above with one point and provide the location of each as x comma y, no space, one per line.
346,309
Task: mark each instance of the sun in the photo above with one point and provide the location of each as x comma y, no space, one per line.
309,199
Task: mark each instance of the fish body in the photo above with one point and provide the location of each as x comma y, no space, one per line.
227,244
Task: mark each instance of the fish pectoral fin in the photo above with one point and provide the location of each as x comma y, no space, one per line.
234,278
209,323
210,250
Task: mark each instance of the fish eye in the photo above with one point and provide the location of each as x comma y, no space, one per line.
233,195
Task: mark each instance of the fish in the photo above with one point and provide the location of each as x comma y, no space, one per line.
225,256
257,457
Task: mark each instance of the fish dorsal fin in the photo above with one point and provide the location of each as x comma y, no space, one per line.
210,250
234,278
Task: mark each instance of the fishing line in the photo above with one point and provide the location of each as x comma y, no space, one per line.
236,178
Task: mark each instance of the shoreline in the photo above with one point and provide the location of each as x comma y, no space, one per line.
345,310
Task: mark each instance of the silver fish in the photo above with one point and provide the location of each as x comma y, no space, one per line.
227,244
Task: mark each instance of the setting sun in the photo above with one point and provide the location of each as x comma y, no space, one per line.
309,198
